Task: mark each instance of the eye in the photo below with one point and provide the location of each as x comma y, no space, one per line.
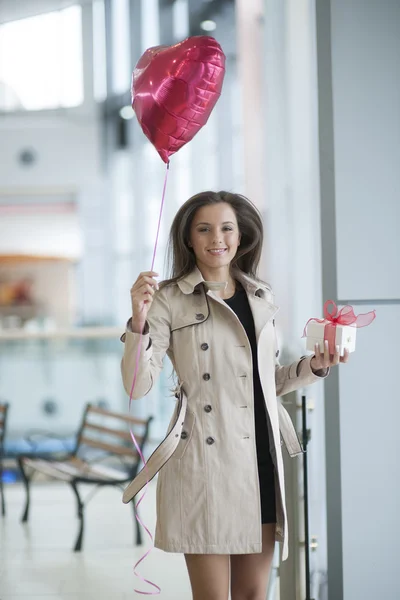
202,229
227,228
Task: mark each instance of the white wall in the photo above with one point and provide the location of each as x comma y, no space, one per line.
41,230
360,154
366,95
369,424
366,88
67,148
68,145
69,162
9,11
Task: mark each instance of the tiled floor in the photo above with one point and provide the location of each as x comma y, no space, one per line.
37,563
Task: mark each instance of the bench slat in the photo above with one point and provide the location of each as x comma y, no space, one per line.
48,468
124,435
122,417
68,470
112,448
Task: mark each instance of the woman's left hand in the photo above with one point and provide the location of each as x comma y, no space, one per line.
324,360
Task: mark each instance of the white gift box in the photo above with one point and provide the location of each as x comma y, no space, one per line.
345,337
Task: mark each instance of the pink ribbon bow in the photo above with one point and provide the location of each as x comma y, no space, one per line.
345,316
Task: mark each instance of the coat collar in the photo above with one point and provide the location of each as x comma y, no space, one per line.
260,295
253,287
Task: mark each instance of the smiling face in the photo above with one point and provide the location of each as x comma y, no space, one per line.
214,236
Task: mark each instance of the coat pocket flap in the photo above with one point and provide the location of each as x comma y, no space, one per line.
288,432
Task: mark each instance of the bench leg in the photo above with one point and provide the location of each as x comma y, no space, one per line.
81,507
26,481
138,530
3,502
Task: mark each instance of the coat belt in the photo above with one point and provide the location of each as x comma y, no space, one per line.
168,446
161,454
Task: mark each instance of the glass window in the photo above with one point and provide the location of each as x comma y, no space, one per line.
121,68
99,52
150,24
41,62
180,19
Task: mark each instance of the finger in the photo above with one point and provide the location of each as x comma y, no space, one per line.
149,279
336,356
149,289
139,286
149,274
145,279
143,298
142,294
327,358
317,354
345,357
146,284
153,283
145,291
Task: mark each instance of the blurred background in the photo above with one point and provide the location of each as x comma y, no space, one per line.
308,127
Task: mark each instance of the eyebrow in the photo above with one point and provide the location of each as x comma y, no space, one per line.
224,223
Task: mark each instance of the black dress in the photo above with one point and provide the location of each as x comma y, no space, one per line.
240,305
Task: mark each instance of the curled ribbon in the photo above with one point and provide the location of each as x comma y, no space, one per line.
345,316
154,585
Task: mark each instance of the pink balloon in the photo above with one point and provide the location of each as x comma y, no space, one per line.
174,90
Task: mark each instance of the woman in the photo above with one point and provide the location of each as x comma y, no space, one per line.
221,496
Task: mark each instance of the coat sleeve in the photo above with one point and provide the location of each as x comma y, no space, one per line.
299,374
153,342
295,376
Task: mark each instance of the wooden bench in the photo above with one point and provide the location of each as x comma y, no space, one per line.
3,425
104,455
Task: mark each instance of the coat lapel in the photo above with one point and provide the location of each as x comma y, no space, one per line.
258,294
263,311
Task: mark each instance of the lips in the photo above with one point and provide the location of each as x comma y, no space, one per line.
217,252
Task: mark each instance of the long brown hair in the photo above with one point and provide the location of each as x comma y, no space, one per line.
181,257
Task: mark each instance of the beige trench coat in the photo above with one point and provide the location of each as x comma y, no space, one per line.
208,498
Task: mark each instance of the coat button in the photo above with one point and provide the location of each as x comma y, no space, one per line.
210,441
208,408
277,353
206,376
204,346
184,435
199,316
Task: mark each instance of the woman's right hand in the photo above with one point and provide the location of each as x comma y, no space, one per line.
142,294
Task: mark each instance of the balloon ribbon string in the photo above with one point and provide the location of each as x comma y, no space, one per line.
158,589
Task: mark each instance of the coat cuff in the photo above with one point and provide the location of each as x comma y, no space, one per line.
135,336
305,363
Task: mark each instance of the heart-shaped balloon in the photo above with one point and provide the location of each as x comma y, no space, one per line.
174,90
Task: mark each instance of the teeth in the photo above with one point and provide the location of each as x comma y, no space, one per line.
217,251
